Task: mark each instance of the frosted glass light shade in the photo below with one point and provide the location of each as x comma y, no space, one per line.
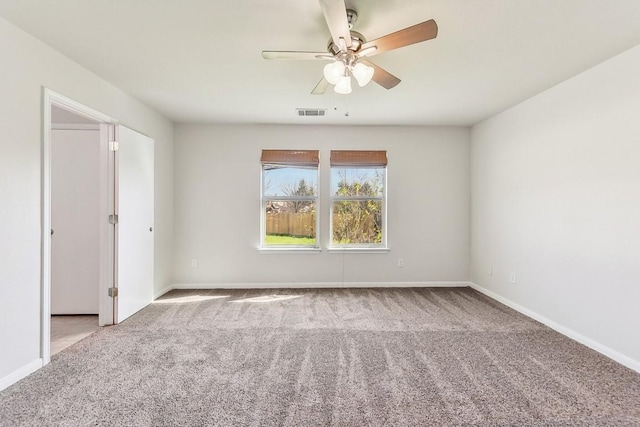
333,71
362,73
343,87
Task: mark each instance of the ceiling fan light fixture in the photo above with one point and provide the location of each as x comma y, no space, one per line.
347,47
363,73
334,71
343,86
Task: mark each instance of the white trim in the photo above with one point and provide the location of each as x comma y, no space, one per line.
357,250
75,107
289,250
318,285
50,98
570,333
105,311
19,374
45,271
356,198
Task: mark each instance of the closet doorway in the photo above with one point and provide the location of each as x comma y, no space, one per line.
97,221
77,197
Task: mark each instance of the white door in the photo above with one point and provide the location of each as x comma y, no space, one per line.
75,221
134,230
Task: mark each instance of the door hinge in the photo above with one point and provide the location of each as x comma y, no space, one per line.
113,219
113,292
113,145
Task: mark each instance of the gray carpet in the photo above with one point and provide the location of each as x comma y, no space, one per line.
441,357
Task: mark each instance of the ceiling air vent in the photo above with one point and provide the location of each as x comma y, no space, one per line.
313,112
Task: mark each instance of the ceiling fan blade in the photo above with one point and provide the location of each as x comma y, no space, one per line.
418,33
321,87
335,14
275,54
382,76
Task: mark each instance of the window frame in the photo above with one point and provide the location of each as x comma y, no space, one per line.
368,247
264,199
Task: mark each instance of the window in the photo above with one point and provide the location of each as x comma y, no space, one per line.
358,199
289,198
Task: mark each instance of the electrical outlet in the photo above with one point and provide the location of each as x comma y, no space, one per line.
194,262
400,262
513,278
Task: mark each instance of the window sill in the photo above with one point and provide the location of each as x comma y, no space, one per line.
375,250
289,250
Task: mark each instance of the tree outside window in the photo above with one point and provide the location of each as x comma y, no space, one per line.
358,199
357,207
289,198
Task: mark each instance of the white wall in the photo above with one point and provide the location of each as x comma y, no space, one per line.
556,199
27,66
217,202
75,218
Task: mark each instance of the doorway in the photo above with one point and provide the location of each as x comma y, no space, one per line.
75,227
77,264
98,245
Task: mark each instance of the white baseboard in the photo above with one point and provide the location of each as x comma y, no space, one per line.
594,345
16,376
312,285
162,291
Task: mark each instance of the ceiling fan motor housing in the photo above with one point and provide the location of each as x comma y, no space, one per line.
357,40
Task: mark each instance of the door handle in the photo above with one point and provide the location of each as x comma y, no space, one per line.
52,231
150,228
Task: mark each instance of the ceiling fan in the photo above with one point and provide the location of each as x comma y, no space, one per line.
348,50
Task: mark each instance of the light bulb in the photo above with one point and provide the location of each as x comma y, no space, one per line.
362,73
343,87
333,71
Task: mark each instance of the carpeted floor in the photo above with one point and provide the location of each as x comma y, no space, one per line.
347,357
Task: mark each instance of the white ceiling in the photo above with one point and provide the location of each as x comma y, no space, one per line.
200,60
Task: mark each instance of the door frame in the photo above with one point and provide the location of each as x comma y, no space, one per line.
107,128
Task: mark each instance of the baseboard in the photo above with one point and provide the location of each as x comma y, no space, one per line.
312,285
162,291
16,376
594,345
